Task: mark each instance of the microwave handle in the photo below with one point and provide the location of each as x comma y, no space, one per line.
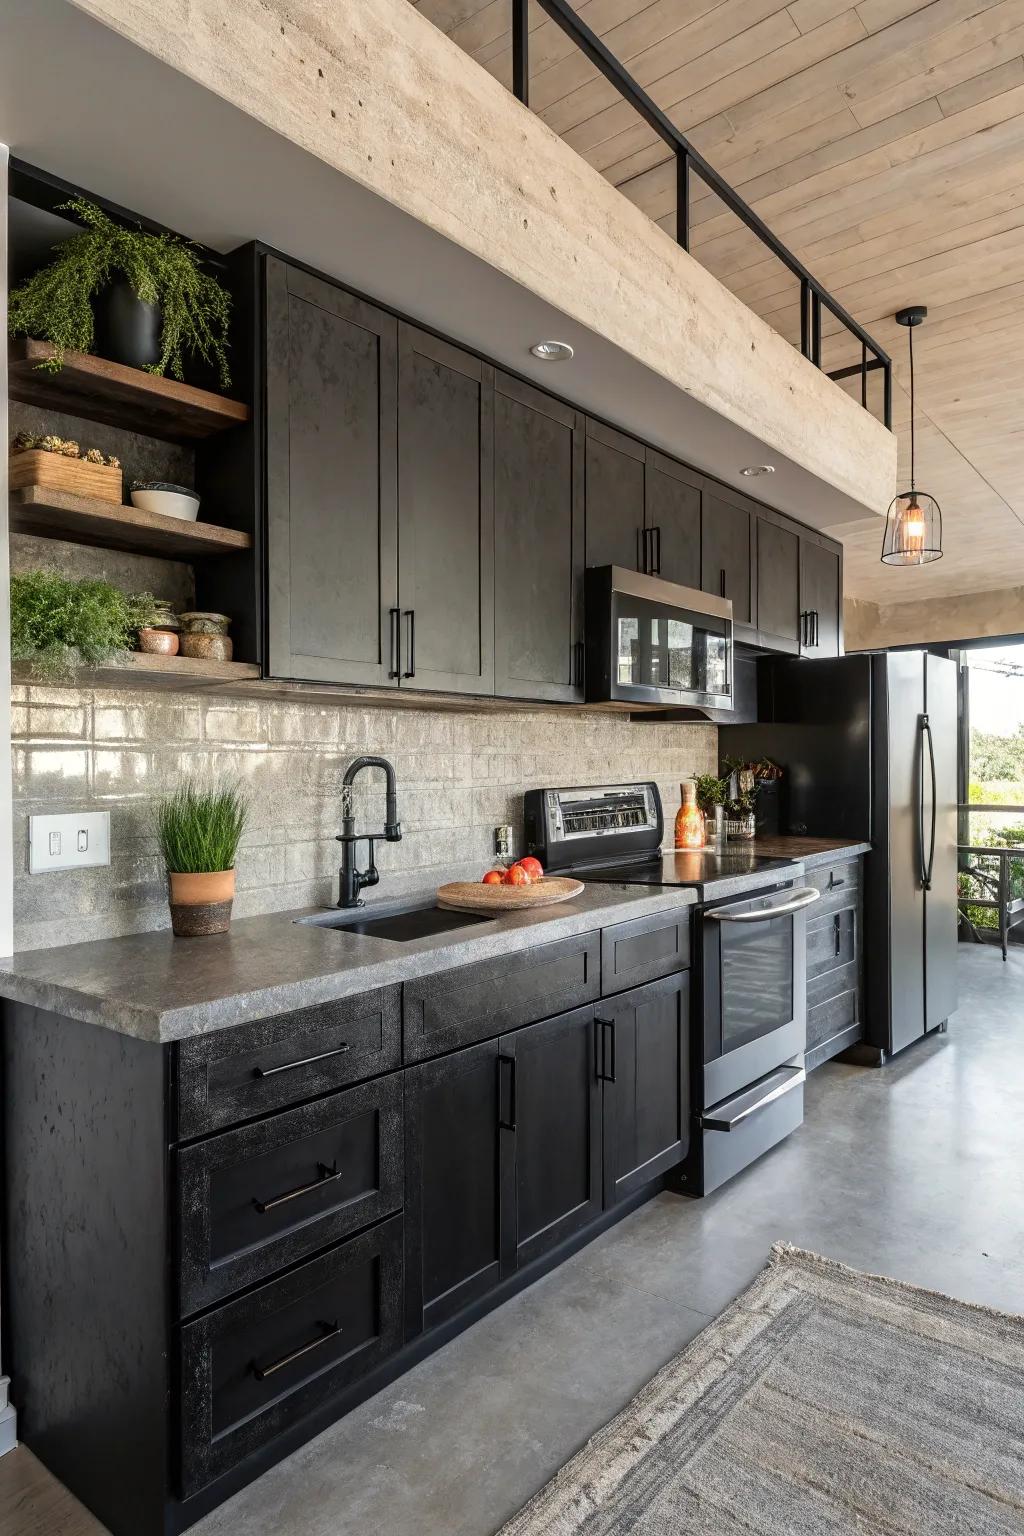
805,897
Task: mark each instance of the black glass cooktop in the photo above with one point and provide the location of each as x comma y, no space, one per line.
674,867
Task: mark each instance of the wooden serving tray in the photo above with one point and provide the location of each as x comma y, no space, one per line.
474,896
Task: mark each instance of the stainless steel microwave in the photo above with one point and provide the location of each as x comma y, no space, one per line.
652,642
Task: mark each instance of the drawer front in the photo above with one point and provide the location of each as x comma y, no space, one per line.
842,881
251,1069
254,1200
643,950
831,983
831,941
832,1018
456,1008
252,1368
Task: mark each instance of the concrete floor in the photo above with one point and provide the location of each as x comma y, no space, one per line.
913,1171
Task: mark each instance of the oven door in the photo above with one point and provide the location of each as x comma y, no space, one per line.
754,956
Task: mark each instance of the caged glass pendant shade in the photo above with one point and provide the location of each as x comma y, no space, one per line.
913,523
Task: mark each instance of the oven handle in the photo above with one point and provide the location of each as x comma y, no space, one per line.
711,1122
803,898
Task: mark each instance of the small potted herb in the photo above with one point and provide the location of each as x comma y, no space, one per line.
58,624
199,831
711,792
139,299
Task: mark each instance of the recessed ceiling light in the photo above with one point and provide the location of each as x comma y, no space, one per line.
552,351
758,469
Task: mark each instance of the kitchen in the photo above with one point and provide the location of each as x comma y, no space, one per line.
428,613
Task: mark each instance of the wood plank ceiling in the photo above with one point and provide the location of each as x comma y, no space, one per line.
884,142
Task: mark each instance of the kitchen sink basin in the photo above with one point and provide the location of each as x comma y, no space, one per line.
401,924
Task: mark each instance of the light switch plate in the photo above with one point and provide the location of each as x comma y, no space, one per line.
77,840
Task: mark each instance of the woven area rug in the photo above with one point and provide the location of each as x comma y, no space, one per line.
823,1400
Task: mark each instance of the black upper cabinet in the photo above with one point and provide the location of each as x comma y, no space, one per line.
615,498
725,552
672,520
332,515
821,598
643,1041
538,544
554,1105
445,516
778,585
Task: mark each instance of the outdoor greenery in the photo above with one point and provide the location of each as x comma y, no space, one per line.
55,303
969,885
200,829
997,760
58,624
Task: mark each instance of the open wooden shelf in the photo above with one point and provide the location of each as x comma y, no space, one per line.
120,397
87,520
138,669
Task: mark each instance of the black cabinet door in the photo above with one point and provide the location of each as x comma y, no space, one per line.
644,1061
446,516
552,1098
725,553
332,531
821,598
458,1230
538,544
778,585
615,498
672,512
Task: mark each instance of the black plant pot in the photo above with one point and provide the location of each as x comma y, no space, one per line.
127,329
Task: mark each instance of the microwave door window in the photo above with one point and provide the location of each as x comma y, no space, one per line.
628,649
680,656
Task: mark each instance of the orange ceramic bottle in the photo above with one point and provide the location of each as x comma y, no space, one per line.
690,831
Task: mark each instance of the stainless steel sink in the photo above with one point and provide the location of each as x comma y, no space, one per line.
402,924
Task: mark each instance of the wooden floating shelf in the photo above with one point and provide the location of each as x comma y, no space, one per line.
87,520
138,669
120,397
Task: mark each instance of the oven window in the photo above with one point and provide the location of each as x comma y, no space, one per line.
757,979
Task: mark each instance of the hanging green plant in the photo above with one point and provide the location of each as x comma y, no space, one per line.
55,303
58,624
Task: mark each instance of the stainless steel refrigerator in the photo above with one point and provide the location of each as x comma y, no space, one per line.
869,748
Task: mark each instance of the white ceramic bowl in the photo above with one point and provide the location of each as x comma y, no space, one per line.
170,500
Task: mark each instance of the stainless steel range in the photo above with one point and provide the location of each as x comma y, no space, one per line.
749,1008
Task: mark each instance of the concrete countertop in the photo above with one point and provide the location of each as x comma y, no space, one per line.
811,851
159,988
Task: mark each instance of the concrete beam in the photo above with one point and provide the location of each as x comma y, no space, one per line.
379,94
932,621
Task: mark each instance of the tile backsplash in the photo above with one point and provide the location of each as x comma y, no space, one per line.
459,776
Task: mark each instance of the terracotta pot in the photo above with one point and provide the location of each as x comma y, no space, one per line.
201,904
158,642
207,647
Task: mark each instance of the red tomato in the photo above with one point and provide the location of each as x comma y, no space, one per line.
517,875
534,868
493,877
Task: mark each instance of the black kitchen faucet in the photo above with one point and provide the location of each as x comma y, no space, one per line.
352,880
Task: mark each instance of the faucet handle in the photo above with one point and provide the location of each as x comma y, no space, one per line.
393,831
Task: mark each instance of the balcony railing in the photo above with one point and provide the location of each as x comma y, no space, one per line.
689,162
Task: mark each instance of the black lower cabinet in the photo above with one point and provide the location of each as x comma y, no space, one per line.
645,1066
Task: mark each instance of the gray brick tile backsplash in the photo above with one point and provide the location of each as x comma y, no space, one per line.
459,775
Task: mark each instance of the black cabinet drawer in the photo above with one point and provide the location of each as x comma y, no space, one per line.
643,950
832,1017
831,941
842,880
251,1069
456,1008
256,1199
254,1367
830,983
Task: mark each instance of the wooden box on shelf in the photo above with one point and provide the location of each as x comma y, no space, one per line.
59,472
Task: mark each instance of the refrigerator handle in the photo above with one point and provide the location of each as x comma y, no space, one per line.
926,730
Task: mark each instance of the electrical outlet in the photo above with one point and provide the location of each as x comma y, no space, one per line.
77,840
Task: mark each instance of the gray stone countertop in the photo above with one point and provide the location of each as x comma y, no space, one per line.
811,851
159,988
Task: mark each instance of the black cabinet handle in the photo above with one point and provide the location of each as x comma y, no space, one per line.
579,664
833,883
410,657
606,1075
656,549
329,1331
641,550
305,1061
816,642
324,1175
510,1123
803,629
721,581
394,620
837,933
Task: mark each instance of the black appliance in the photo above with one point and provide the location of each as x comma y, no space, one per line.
868,745
649,641
748,982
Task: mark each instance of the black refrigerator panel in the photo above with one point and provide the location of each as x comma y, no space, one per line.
940,908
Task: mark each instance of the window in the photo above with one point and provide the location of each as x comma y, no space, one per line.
993,735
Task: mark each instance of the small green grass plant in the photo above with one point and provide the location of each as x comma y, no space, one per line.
200,829
59,624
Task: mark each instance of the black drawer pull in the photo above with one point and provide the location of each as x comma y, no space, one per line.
324,1175
307,1061
838,933
510,1123
833,883
606,1076
261,1372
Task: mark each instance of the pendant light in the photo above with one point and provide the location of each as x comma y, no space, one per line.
913,524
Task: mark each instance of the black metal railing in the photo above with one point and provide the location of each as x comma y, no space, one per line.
813,297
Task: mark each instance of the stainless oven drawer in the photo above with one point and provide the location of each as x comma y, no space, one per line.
736,1132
